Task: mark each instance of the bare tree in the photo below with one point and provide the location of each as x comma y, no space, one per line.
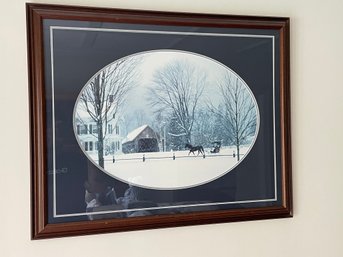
140,118
177,89
105,94
237,111
205,128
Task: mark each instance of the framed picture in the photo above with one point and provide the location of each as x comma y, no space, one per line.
143,119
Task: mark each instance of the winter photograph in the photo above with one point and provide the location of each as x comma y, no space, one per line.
166,119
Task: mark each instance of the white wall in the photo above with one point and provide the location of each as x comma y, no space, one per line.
317,129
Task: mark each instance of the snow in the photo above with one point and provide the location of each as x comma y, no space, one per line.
81,113
160,171
134,133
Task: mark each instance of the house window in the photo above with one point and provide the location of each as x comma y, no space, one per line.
118,145
86,146
117,130
96,145
111,98
90,146
78,129
109,128
95,129
90,128
83,129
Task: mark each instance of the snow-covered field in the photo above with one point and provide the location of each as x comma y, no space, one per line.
161,171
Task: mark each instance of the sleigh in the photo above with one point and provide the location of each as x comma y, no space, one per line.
216,147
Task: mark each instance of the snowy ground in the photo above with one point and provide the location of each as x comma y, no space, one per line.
161,171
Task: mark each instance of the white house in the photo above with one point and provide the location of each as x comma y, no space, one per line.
87,133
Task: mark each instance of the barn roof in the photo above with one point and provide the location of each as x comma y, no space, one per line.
134,133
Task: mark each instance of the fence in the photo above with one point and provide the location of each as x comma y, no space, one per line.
173,157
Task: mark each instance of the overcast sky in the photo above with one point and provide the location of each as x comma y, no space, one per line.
154,60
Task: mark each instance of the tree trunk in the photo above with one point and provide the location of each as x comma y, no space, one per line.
237,146
100,144
237,153
188,137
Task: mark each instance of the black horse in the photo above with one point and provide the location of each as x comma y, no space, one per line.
192,149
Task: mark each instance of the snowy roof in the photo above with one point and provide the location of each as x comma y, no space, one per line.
134,133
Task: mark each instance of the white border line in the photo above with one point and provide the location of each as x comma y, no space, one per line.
163,208
55,215
53,121
274,130
160,32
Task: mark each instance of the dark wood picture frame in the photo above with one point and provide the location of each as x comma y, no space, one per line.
41,227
